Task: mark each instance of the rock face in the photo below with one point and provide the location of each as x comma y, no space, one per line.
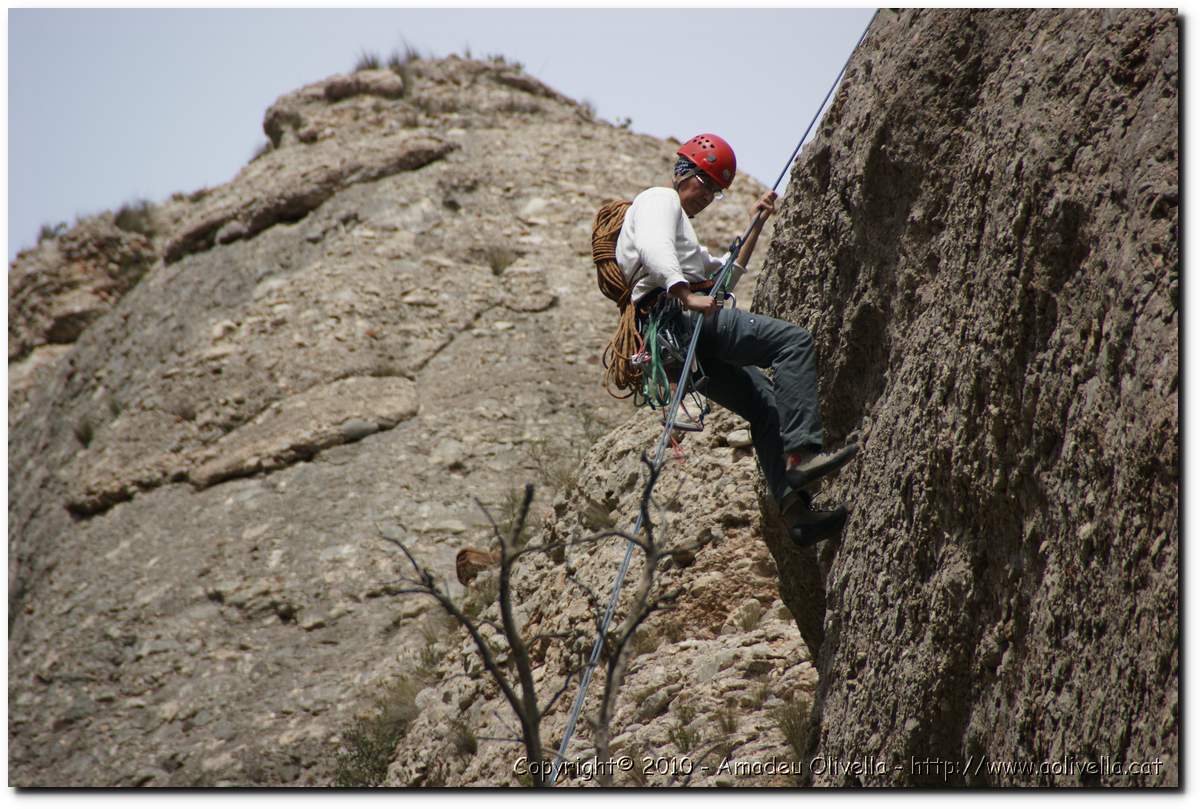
984,241
391,314
388,314
61,287
713,672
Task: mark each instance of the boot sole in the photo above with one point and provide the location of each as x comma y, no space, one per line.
798,479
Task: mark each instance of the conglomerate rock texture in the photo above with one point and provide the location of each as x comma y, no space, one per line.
712,671
984,240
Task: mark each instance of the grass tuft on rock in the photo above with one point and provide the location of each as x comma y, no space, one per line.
136,217
726,717
465,742
499,257
792,720
84,430
682,734
367,60
402,65
369,744
49,231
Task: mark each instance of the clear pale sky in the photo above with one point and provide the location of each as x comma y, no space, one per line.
107,106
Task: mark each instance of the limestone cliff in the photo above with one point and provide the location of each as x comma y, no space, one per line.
216,408
385,315
984,240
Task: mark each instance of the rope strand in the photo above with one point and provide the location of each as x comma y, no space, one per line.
620,374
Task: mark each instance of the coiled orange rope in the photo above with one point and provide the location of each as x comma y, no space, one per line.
620,374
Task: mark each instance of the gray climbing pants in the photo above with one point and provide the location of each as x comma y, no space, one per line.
784,414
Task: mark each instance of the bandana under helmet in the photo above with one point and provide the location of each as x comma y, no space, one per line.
684,166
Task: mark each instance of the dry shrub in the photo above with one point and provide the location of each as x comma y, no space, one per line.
370,742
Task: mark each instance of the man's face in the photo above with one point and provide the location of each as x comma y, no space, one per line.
696,193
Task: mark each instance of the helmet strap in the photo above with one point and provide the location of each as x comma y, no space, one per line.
680,179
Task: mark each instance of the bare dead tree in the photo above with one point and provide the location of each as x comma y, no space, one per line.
521,694
640,609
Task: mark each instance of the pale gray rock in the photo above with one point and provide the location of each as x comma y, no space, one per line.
303,425
739,438
356,429
192,483
383,83
231,232
280,188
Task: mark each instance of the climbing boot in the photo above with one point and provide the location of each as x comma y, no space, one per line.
804,468
807,526
824,525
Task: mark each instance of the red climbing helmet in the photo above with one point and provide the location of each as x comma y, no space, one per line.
713,155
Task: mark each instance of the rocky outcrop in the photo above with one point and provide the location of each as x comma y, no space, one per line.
290,430
198,482
713,673
984,241
59,288
263,198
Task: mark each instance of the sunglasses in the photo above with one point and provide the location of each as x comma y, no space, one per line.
710,186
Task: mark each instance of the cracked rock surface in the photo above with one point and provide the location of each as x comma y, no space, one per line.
710,676
347,340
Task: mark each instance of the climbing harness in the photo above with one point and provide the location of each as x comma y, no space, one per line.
665,439
662,328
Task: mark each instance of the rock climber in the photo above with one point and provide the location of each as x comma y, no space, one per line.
657,250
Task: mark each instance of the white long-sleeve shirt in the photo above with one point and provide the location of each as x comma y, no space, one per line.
657,247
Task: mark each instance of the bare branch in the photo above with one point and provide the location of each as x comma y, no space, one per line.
416,567
640,609
490,518
550,547
503,721
521,695
429,587
593,601
566,684
505,739
529,714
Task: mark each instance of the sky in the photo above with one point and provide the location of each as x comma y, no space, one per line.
110,106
